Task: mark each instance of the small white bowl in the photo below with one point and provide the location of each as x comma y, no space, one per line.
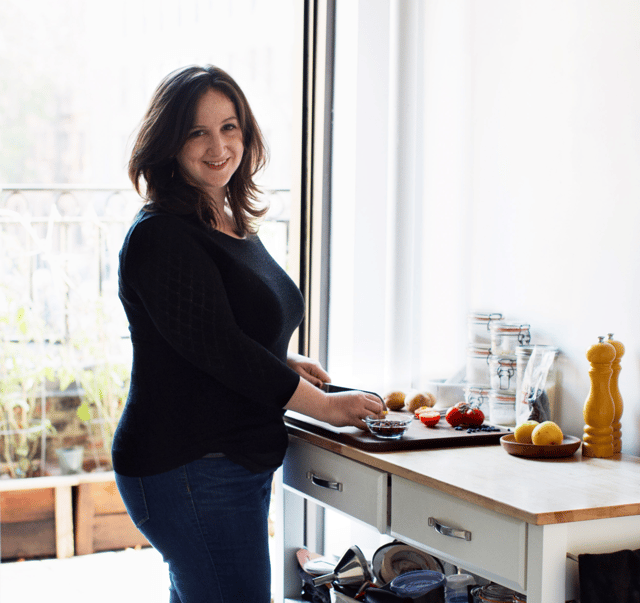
447,394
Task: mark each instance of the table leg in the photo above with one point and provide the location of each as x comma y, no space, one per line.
546,563
293,539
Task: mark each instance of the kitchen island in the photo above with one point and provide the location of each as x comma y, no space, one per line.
519,522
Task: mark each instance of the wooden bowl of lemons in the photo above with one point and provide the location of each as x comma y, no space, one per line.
539,440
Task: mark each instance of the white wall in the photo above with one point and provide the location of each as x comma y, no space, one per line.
532,165
526,195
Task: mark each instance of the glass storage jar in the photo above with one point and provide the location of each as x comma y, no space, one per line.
456,588
502,373
524,354
478,366
506,337
478,396
479,335
493,593
502,408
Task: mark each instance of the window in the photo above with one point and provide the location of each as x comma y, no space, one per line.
76,78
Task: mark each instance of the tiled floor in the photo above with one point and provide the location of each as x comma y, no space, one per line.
129,576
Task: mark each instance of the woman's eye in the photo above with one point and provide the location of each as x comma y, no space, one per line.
229,127
196,133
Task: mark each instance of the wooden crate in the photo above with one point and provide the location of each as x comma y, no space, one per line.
101,520
37,516
36,523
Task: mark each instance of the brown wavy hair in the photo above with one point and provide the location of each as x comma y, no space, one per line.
163,132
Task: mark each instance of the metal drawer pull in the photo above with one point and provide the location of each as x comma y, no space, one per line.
324,483
447,531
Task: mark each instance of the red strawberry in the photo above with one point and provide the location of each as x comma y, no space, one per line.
429,417
464,414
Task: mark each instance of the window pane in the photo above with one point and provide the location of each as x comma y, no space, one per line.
77,75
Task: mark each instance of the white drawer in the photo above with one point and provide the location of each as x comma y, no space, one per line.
338,482
496,545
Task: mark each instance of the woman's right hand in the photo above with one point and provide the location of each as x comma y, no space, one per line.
351,408
340,409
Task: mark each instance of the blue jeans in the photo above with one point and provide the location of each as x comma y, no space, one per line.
208,519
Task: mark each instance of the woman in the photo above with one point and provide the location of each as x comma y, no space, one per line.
210,315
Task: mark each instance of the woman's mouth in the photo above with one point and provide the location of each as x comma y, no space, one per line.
216,165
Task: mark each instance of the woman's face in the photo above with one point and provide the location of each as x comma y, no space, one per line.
214,147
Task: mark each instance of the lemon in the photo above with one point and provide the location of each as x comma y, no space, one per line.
547,434
522,434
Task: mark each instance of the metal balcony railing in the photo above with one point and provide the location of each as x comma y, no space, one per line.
59,248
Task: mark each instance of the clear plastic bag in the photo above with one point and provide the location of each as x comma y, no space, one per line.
537,407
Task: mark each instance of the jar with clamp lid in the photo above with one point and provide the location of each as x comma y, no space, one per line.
502,408
503,373
478,366
479,335
506,337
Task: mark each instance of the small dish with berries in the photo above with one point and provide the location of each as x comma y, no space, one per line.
392,427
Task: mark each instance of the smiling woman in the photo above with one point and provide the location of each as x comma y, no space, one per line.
211,318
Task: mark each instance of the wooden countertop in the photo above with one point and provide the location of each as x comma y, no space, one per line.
540,492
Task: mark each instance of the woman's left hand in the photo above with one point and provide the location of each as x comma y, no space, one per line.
308,369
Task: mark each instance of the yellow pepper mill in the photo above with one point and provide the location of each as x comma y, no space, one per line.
599,409
615,394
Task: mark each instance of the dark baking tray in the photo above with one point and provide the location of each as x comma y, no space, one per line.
417,437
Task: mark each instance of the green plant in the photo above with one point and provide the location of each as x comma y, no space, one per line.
28,367
33,365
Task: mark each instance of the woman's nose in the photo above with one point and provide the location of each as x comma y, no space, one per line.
216,145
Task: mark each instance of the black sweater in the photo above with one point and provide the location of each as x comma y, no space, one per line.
210,318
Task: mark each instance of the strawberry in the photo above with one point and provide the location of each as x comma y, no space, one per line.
429,417
464,414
